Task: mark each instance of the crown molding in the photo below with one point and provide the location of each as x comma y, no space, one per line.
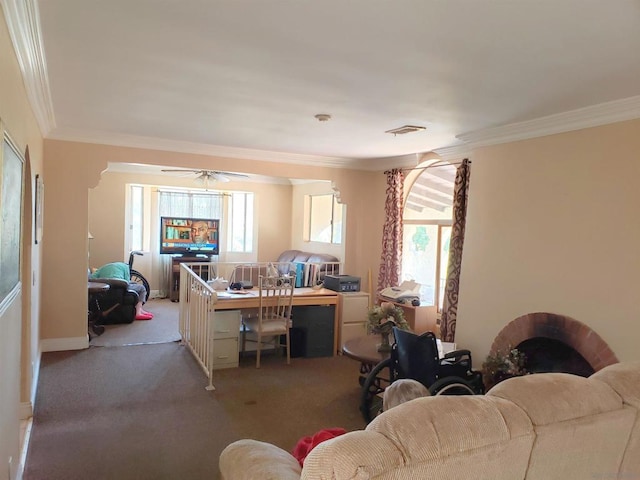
593,116
454,153
162,144
23,23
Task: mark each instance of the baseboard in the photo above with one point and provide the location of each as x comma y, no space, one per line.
25,410
61,344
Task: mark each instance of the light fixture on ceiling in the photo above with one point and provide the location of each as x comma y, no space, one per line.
323,117
405,129
204,177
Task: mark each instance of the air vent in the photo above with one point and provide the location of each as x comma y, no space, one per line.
405,129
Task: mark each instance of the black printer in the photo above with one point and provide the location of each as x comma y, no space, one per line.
342,283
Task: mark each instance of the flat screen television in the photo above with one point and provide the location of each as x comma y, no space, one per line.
189,236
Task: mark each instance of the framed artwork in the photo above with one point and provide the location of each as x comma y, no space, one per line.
38,209
11,169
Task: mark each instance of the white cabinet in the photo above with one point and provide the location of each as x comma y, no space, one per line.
226,330
354,308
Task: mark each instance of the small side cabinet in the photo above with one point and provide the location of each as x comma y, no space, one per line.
354,309
226,331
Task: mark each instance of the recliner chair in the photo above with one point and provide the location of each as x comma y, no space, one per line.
116,305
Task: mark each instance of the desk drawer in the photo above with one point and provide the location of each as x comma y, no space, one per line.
226,324
225,353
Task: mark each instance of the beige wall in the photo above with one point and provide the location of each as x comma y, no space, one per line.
19,316
553,226
74,174
107,204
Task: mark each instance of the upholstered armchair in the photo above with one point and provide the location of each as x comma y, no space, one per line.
116,305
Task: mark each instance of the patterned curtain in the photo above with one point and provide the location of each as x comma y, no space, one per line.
391,258
450,304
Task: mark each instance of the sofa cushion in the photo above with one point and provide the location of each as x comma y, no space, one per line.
250,459
624,378
533,393
573,417
456,437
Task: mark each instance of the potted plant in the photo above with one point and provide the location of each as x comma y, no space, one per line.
500,366
381,320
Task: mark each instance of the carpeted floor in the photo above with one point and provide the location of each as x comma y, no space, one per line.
142,412
162,328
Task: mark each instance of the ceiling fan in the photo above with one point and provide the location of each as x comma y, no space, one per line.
205,176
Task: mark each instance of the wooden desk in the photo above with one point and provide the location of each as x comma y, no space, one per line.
249,299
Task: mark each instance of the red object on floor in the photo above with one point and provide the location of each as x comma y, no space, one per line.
144,316
306,444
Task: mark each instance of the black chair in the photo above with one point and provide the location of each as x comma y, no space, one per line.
116,305
416,357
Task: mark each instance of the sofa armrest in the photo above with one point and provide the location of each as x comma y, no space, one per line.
250,459
112,282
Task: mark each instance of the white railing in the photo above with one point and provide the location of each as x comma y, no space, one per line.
308,274
197,300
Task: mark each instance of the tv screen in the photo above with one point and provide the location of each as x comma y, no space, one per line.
189,236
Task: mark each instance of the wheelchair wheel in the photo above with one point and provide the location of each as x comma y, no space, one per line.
137,277
380,377
451,386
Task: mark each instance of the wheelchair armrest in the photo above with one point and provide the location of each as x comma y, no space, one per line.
456,354
457,357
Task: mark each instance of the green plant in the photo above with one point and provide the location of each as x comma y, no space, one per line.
500,366
382,318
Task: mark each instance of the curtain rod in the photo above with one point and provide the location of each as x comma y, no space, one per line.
434,165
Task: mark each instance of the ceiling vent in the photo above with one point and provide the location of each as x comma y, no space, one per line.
405,129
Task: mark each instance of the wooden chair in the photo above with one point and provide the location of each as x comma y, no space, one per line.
274,314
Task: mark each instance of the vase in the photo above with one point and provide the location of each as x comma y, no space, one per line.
385,346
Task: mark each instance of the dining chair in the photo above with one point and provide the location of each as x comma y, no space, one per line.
274,314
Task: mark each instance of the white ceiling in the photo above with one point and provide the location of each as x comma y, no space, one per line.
246,77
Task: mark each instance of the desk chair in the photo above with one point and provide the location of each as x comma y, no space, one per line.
274,314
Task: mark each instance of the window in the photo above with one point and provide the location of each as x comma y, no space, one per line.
425,256
137,215
324,215
241,222
236,207
427,220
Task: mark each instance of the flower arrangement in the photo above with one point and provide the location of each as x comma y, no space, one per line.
382,318
501,366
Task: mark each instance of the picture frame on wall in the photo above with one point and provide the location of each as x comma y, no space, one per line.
38,209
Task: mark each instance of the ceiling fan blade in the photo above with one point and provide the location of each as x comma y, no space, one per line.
231,174
180,170
220,177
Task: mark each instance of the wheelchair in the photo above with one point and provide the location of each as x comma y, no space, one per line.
135,276
416,357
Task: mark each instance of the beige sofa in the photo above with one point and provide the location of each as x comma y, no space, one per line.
543,426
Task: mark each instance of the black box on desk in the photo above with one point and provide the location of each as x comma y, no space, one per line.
342,283
312,330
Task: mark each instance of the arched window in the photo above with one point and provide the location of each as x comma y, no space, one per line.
427,219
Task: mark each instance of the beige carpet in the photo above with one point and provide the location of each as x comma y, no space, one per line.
142,412
162,328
